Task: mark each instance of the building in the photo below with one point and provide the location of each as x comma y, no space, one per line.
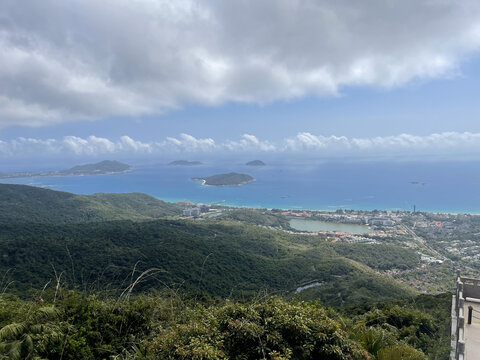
466,319
380,222
191,211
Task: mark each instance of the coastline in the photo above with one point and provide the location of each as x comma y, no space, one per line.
53,175
226,202
229,204
174,186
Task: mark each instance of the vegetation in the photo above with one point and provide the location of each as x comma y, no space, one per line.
256,217
222,259
68,325
103,167
422,322
230,179
115,276
21,203
379,256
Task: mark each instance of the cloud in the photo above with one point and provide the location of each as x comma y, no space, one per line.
446,142
307,141
187,143
94,59
71,146
249,143
91,146
450,144
127,144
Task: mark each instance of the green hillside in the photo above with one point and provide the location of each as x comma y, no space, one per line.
98,240
21,203
222,259
136,288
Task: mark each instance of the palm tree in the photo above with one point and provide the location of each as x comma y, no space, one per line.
26,339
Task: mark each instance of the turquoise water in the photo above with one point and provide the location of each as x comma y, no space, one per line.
439,187
317,225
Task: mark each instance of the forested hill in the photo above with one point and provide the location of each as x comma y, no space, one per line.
189,289
220,259
21,203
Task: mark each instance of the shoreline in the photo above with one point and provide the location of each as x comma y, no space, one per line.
53,175
226,203
207,197
260,207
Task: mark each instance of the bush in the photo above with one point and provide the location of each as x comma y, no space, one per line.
273,329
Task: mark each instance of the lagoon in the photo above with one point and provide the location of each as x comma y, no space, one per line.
317,225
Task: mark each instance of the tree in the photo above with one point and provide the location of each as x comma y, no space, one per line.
28,338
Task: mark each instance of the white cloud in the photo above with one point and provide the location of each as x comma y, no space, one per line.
92,59
249,143
187,143
307,141
451,144
126,143
71,146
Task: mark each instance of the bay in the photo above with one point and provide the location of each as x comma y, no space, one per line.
430,186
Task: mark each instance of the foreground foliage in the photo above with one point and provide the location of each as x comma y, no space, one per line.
268,330
67,325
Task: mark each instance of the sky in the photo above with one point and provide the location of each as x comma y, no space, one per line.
152,78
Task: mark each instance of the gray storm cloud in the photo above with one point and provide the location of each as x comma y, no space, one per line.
85,60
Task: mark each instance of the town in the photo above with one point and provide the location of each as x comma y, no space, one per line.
443,242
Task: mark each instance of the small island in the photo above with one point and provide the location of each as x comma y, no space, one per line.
255,163
184,163
101,168
230,179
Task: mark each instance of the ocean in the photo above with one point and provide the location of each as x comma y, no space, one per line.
431,186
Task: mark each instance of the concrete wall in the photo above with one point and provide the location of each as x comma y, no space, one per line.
471,288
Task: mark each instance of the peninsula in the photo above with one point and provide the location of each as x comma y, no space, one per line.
101,168
230,179
184,163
